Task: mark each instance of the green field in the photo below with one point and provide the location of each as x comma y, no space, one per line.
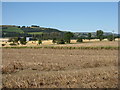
13,29
35,33
17,30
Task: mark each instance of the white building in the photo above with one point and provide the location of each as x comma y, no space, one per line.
28,38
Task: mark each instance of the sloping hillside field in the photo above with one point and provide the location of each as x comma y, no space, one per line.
59,68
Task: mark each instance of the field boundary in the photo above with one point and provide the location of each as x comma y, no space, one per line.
66,47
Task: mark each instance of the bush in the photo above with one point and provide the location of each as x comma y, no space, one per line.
79,40
18,26
10,40
61,41
23,41
39,41
54,40
12,44
14,40
3,44
110,38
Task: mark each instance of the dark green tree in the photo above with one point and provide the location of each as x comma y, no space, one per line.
79,40
110,38
68,36
60,41
18,26
99,34
10,40
23,41
54,40
34,26
39,41
14,40
23,26
89,36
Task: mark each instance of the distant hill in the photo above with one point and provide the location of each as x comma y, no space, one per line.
13,31
41,32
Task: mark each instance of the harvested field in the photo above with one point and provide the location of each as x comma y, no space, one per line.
94,42
91,44
59,68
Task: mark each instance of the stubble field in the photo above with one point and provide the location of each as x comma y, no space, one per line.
59,68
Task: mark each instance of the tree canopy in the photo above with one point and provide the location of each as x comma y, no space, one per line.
99,34
68,36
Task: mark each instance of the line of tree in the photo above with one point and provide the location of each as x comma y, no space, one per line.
65,38
49,33
16,40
